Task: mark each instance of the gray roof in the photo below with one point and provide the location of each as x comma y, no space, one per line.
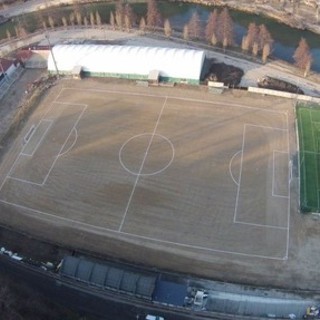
109,276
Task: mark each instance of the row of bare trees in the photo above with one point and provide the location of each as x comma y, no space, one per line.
218,29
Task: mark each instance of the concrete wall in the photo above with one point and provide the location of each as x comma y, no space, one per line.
283,94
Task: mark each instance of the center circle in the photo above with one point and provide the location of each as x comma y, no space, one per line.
146,154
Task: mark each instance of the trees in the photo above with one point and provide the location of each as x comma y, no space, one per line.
186,32
302,56
64,22
112,21
266,52
153,15
92,19
194,27
78,18
258,38
252,34
129,17
264,37
142,25
211,27
225,32
167,28
8,33
119,14
72,18
98,19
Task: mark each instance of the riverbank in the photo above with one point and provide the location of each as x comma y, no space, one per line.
305,17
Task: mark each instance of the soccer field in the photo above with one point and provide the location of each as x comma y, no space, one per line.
172,172
309,141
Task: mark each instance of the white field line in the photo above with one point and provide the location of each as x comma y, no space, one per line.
289,198
41,139
240,174
266,127
304,168
138,236
89,227
141,166
261,225
72,145
218,104
314,148
25,181
18,156
29,134
230,168
62,147
273,175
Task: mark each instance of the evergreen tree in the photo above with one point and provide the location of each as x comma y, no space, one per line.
225,32
129,16
252,35
98,19
119,16
302,56
142,25
186,32
167,28
92,20
153,15
211,27
264,37
266,52
112,20
64,22
194,27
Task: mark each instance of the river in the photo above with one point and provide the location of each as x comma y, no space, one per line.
285,38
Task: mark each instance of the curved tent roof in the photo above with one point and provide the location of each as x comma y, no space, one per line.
170,62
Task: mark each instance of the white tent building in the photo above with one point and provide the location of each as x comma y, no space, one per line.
174,65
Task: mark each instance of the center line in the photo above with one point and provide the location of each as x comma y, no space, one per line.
142,164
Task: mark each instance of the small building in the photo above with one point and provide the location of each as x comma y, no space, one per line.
7,68
77,72
129,62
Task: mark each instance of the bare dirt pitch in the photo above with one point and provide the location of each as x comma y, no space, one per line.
168,170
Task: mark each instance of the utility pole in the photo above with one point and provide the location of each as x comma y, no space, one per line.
51,51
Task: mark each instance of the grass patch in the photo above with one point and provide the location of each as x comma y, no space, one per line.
309,141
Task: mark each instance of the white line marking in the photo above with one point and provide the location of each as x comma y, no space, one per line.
24,181
142,164
239,183
270,226
29,134
315,148
152,173
230,168
104,229
71,103
240,175
265,127
57,156
147,238
289,199
73,143
41,139
217,103
273,176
